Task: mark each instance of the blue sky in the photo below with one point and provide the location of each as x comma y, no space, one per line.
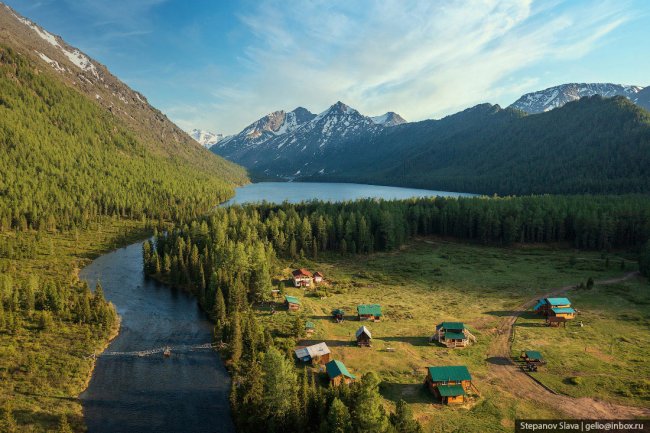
219,65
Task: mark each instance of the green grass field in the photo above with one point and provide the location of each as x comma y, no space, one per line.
429,281
43,372
607,356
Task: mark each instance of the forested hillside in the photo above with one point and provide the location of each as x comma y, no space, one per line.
593,145
65,160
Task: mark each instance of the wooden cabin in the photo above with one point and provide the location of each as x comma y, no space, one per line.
453,334
309,328
546,305
338,373
302,278
532,357
369,312
450,384
292,303
363,337
338,314
566,312
316,354
318,277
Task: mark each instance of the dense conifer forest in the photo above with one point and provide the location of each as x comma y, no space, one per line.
228,257
590,146
65,161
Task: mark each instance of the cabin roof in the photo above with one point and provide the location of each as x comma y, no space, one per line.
336,368
540,303
451,390
369,309
310,325
558,301
309,352
318,274
534,355
568,310
363,330
451,326
292,299
455,336
444,374
338,311
302,272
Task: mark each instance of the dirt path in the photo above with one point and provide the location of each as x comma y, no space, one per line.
504,371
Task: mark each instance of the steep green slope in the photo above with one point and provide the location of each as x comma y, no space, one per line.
593,145
65,160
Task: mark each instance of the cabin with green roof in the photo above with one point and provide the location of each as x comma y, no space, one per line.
338,373
292,303
369,312
545,306
449,383
453,334
532,357
310,328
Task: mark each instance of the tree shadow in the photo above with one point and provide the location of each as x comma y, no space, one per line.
409,392
531,325
330,343
499,360
413,341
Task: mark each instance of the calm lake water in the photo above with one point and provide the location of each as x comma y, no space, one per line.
187,392
294,192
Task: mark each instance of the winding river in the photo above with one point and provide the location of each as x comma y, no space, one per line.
187,391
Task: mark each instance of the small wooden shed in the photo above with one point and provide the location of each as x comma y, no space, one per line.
363,337
318,277
309,328
449,383
369,312
338,373
292,303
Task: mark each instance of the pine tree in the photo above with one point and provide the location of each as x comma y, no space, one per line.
280,384
219,310
403,420
8,422
370,416
338,418
236,346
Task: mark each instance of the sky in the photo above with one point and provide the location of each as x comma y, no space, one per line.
220,65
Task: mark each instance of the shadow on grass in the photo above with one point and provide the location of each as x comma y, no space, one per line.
413,341
330,343
499,360
44,419
507,313
539,324
409,392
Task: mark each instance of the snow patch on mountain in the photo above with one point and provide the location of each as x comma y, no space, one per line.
51,62
555,97
388,119
205,138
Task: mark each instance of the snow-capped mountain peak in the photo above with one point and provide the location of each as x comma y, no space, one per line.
205,138
388,119
554,97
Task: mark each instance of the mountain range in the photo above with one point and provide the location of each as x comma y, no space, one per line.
340,144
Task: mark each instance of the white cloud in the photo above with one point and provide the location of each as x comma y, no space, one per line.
422,59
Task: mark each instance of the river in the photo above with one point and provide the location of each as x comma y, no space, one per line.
187,391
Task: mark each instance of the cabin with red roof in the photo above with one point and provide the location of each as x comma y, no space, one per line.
318,277
302,278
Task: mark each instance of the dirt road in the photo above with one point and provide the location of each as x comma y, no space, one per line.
515,381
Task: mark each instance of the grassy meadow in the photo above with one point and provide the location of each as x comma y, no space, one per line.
43,371
607,357
429,281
